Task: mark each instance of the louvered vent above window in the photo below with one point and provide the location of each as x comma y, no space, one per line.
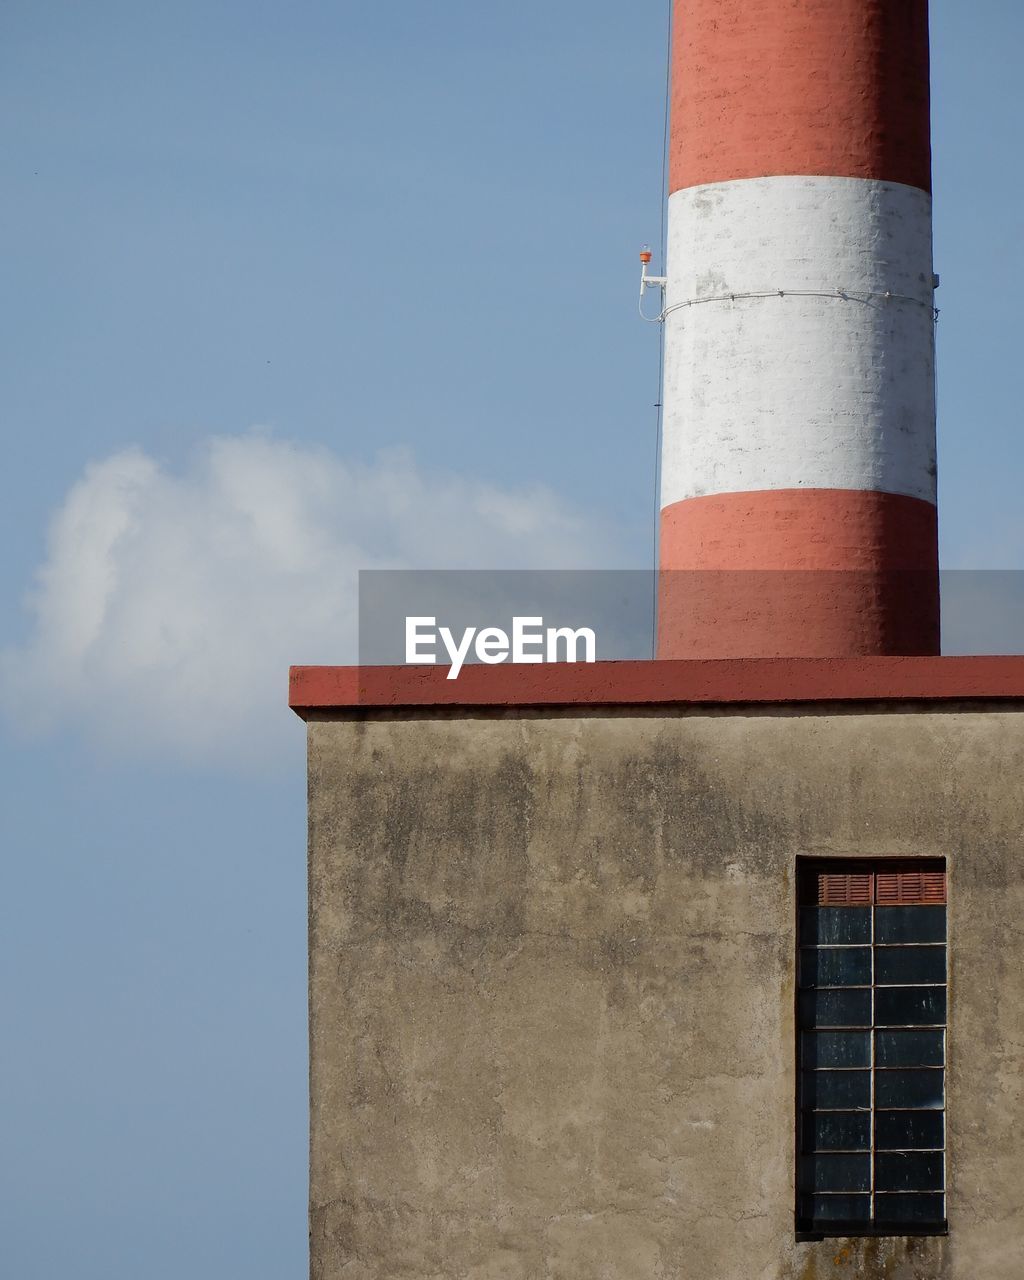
882,888
908,888
850,890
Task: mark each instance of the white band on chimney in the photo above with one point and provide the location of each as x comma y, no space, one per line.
789,392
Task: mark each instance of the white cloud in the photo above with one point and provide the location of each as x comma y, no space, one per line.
170,604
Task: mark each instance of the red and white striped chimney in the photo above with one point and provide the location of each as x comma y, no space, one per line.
798,465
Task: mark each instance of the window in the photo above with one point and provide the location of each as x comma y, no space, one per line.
872,1048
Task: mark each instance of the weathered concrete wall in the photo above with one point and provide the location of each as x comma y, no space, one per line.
552,987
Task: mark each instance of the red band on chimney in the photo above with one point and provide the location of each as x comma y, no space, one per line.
800,529
771,87
799,573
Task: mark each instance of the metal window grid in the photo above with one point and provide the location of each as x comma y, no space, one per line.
835,895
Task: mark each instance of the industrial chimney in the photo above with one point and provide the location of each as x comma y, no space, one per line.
798,467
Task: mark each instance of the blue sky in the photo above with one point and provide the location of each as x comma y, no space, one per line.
289,291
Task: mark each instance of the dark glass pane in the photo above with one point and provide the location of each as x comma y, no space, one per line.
835,1173
835,967
908,1130
837,1131
910,964
835,1208
836,925
906,1006
910,924
909,1088
916,1171
835,1048
837,1008
901,1208
910,1048
843,1090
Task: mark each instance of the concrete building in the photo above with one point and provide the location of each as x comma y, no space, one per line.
554,960
709,966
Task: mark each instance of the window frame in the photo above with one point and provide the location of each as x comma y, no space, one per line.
931,870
